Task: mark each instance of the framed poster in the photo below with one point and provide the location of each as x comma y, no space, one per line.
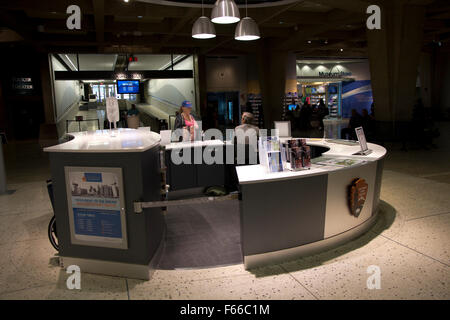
96,203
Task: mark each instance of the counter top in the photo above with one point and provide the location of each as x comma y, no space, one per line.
189,144
337,149
117,140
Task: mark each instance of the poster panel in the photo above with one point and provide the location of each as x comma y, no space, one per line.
95,199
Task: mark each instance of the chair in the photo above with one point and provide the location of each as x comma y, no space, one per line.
133,121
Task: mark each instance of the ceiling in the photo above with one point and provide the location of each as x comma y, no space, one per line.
311,28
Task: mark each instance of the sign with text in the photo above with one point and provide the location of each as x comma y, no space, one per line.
96,206
361,139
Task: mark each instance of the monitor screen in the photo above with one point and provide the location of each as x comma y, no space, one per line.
292,107
127,86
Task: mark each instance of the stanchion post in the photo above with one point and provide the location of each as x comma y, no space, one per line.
2,170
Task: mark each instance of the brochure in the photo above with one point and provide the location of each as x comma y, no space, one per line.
274,161
299,154
340,162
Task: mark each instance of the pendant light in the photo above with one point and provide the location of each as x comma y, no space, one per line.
203,28
225,12
247,29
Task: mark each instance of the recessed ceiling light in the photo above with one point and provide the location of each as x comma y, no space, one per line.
126,1
342,49
309,41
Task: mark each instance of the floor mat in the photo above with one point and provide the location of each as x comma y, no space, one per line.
202,235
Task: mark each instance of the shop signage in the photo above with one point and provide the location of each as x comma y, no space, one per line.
339,74
357,195
22,85
95,199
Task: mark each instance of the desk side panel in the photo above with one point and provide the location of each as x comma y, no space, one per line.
282,214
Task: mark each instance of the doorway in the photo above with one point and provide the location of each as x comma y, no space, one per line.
225,108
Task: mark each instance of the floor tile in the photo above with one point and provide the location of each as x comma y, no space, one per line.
429,235
405,274
281,286
92,287
413,196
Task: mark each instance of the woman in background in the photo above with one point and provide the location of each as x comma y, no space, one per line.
184,119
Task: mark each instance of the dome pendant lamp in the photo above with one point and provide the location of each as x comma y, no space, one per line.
247,29
225,12
203,28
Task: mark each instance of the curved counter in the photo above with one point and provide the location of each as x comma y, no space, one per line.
285,215
118,140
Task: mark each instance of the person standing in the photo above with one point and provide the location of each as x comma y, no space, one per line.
323,112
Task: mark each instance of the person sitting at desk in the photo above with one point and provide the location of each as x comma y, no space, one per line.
184,119
246,126
133,111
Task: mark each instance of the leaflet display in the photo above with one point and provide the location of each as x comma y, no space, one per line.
362,142
96,205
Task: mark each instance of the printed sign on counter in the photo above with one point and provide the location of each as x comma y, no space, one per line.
96,206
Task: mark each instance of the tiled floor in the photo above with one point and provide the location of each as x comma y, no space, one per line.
410,243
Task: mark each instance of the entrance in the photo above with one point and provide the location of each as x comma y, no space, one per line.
223,109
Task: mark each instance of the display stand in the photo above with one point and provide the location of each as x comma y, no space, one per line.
271,155
362,142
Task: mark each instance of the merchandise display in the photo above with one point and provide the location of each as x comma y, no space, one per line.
255,101
290,102
330,92
299,154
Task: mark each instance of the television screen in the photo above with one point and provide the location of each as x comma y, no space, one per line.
292,107
127,86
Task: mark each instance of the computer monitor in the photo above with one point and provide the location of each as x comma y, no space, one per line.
292,107
127,86
284,128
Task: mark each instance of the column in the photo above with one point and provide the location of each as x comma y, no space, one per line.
394,55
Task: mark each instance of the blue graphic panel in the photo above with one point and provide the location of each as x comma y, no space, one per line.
96,222
356,95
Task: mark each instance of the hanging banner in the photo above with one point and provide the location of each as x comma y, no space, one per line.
95,199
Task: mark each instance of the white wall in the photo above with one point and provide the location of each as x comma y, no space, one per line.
67,93
168,94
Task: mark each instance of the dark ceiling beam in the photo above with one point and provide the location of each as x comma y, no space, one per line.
107,75
99,16
335,19
181,24
64,64
357,6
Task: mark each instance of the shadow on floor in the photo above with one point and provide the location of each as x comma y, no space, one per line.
208,235
386,216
